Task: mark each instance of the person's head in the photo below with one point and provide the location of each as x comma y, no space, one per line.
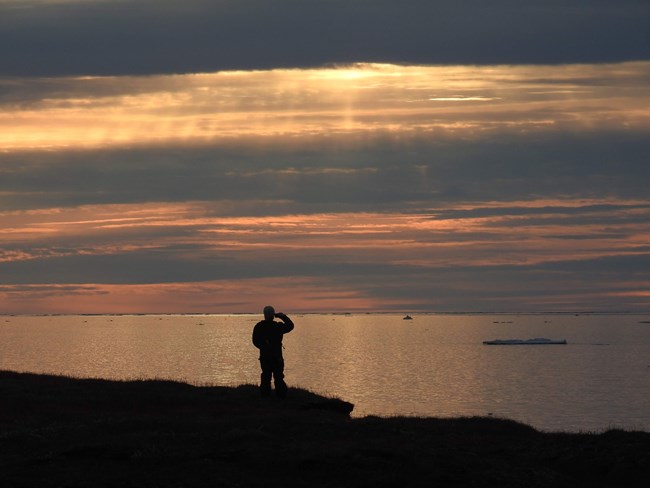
269,312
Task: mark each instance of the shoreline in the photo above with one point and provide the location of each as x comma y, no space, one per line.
60,431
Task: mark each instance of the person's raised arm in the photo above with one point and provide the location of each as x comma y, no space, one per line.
287,325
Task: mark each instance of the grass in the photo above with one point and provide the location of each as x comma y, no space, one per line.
64,432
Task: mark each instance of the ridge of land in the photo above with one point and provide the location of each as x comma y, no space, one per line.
58,431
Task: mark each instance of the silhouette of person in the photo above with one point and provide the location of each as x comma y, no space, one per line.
267,337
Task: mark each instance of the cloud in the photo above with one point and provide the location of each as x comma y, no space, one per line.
381,174
346,139
351,102
165,36
525,254
309,294
520,187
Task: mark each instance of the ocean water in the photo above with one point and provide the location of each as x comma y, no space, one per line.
433,365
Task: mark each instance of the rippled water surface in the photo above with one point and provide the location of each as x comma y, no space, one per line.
433,365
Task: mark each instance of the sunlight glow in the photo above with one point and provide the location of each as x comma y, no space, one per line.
365,98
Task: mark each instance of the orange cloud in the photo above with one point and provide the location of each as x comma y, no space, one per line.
246,295
421,239
553,231
359,99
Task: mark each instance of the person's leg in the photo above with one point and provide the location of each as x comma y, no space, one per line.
278,377
265,379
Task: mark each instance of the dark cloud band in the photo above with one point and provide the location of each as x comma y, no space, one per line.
166,36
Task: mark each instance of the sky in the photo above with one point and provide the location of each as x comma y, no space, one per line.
341,156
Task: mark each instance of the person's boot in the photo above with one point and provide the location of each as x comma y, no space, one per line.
281,389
